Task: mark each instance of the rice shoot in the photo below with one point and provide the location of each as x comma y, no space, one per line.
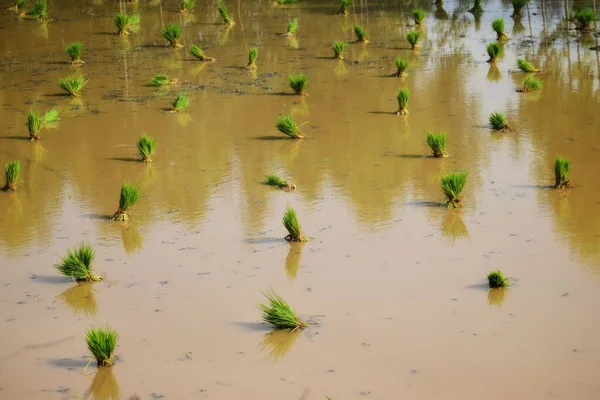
401,67
123,23
222,8
525,66
286,125
498,27
413,38
11,176
418,16
338,49
496,280
181,102
146,147
101,342
292,28
162,80
72,85
252,57
517,7
584,18
402,98
291,223
562,166
172,34
39,11
278,313
531,84
275,180
498,122
74,51
78,263
452,186
199,53
493,50
130,194
361,34
298,83
437,143
344,7
186,6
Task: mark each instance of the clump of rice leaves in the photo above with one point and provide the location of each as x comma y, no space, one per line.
402,98
437,143
252,56
77,264
361,34
344,7
298,83
80,298
531,84
11,176
275,180
562,166
498,122
278,313
35,123
493,50
401,66
162,80
130,194
291,223
477,8
496,280
146,146
584,18
338,49
222,8
452,186
102,343
525,66
18,7
72,85
74,51
419,16
186,6
123,22
413,38
52,115
498,27
39,11
182,101
199,53
292,27
286,125
517,7
172,34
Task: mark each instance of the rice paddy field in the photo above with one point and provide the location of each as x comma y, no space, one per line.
391,283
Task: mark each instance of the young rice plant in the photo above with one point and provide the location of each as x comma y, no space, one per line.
199,54
130,194
181,102
162,80
437,143
102,342
186,6
18,7
498,122
298,83
517,7
477,8
413,38
77,264
36,121
147,147
584,18
11,176
562,166
401,66
291,223
493,50
452,186
286,125
252,57
222,8
361,34
496,280
344,7
525,66
278,313
402,98
419,16
275,180
74,51
124,22
39,11
72,85
338,49
498,27
172,34
531,84
292,28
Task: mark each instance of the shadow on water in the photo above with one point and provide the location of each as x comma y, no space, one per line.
96,216
418,156
252,326
269,138
51,279
264,240
433,204
478,286
547,187
69,363
15,138
124,159
383,112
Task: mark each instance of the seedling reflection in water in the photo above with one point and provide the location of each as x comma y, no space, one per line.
77,264
413,38
274,180
292,260
402,98
298,83
454,227
181,102
498,122
338,49
172,34
102,342
419,16
80,298
562,166
222,8
401,66
517,7
292,28
279,342
344,7
496,280
72,85
39,11
292,225
286,125
531,84
11,176
477,9
452,186
252,57
146,146
525,66
496,296
437,143
498,27
361,34
199,54
186,6
278,313
104,386
74,51
130,194
123,23
493,50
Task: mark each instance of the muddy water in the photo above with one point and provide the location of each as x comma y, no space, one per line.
394,284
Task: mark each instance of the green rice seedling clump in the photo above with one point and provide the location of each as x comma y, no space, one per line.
498,27
286,125
401,66
274,180
525,66
498,122
452,186
181,102
101,342
172,34
252,57
298,83
74,51
562,166
77,264
72,85
292,225
146,146
18,7
344,7
493,50
496,280
419,16
11,176
123,22
35,123
477,8
278,313
130,194
222,8
437,143
584,18
39,11
338,49
532,84
517,7
402,98
162,80
292,27
187,6
413,38
52,115
361,34
199,54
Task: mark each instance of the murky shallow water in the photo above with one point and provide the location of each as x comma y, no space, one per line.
392,282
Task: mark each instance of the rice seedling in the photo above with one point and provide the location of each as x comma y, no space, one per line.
252,56
344,7
477,8
222,8
338,49
274,180
517,7
292,28
35,123
279,342
80,298
493,50
413,38
101,342
452,186
298,83
584,18
401,66
146,146
77,264
498,27
130,194
181,102
498,122
39,11
72,85
562,166
286,125
11,176
52,115
496,280
402,98
278,312
199,54
437,143
124,22
291,223
162,80
531,84
18,7
361,34
74,51
419,16
172,34
525,66
186,6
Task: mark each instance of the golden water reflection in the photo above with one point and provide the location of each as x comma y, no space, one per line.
104,386
292,260
279,342
80,299
495,297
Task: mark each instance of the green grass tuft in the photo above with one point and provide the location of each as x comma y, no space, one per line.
222,8
452,186
181,102
525,66
172,34
497,121
187,6
102,343
518,6
584,18
401,66
278,313
130,194
252,57
275,180
344,7
291,223
146,146
77,264
292,27
413,38
72,85
11,176
361,34
419,16
493,50
123,22
74,51
286,125
496,280
35,123
161,80
338,49
562,166
18,6
52,115
531,84
498,27
199,53
402,97
40,11
437,143
298,83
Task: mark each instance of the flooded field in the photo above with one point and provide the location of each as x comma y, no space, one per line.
392,283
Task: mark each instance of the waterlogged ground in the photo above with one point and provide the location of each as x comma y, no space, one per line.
393,284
